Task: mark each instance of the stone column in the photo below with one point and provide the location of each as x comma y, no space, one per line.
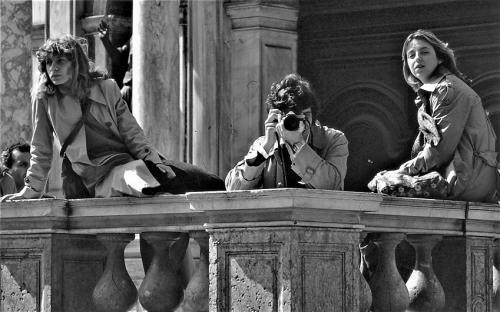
263,49
15,76
208,71
463,266
275,268
155,92
61,19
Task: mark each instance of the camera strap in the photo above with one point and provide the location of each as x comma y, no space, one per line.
282,159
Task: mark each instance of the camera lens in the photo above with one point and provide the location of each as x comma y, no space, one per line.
291,122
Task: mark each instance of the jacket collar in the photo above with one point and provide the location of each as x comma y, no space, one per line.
96,93
430,87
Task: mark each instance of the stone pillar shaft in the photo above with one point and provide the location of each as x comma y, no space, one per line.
155,93
207,76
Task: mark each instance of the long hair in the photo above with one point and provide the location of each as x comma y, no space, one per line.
444,53
84,72
292,93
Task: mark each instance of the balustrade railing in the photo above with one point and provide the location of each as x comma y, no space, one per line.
265,250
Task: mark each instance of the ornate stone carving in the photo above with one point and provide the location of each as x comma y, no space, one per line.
479,279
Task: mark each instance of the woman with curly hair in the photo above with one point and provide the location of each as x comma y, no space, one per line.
105,150
295,151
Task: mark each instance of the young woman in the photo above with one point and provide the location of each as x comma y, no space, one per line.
105,150
456,138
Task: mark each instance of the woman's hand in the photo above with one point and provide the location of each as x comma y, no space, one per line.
166,169
25,193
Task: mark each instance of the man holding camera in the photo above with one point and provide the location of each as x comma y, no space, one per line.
294,152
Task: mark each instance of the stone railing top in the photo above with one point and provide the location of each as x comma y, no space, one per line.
256,208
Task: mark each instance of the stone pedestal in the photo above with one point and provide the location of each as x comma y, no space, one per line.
463,266
15,76
49,272
155,91
283,269
263,50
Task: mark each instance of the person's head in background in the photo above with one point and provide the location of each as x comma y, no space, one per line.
64,66
16,158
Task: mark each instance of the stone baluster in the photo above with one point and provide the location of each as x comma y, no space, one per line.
388,289
365,294
424,288
196,293
115,291
496,276
162,287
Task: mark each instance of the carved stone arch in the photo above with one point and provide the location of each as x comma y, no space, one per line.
374,118
487,86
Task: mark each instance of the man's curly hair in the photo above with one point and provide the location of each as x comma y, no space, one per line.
7,160
292,93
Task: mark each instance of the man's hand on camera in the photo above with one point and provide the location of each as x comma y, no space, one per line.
272,120
291,137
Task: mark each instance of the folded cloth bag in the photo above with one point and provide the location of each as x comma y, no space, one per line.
430,185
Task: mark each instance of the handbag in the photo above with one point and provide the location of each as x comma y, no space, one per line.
430,185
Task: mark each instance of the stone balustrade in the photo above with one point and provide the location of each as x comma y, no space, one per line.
262,250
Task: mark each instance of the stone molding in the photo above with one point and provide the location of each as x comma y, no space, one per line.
252,15
274,207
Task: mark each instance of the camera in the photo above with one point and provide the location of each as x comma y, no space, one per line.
291,122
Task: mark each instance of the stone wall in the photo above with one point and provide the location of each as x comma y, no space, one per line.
15,77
